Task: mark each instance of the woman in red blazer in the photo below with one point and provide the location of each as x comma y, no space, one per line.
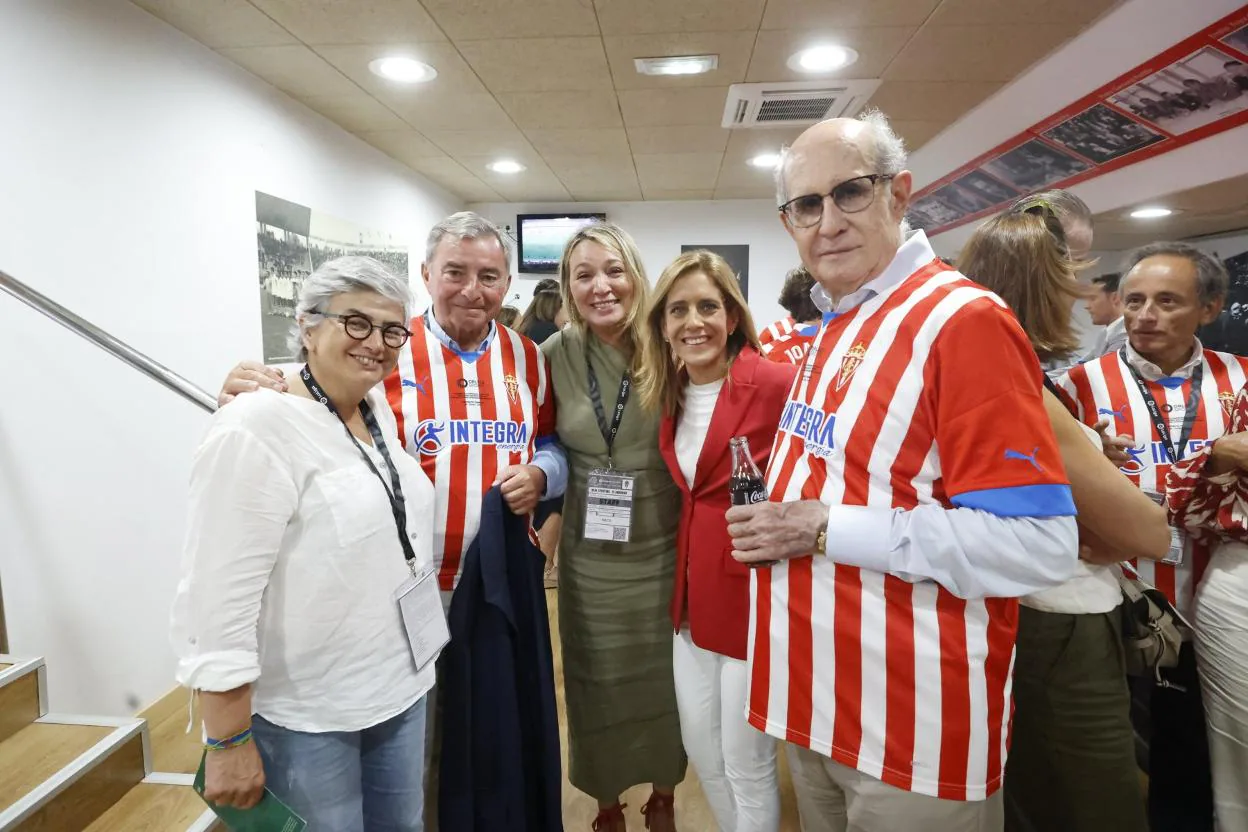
703,371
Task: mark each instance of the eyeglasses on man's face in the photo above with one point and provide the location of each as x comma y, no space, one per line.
360,328
850,197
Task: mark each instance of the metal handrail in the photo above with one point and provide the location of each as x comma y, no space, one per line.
128,354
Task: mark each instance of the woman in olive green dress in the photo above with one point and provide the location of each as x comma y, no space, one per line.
613,596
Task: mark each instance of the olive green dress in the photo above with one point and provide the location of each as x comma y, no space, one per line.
623,728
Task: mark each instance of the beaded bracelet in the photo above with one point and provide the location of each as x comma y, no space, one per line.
241,738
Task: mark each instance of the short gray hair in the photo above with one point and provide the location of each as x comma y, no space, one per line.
336,277
888,152
1212,281
467,225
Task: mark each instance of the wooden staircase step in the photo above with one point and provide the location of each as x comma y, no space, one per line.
62,772
156,807
173,749
21,700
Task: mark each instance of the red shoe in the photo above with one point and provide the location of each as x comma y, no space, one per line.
610,819
660,812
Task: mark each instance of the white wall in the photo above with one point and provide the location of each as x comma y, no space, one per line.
661,228
129,160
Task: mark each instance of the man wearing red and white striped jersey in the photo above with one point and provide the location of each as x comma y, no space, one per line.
795,296
916,491
776,330
1163,374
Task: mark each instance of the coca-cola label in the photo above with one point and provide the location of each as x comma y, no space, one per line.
745,494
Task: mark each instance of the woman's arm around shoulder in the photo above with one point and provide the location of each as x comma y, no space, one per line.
1117,513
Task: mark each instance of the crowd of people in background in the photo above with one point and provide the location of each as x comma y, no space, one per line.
934,615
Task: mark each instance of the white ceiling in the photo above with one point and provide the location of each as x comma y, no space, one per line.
550,83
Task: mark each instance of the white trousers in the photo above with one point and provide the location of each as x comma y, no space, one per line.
1222,658
736,763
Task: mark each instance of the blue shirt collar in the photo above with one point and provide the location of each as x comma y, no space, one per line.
431,321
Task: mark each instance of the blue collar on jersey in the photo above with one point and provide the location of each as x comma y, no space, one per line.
467,355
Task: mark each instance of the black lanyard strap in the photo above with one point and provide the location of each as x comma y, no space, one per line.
394,492
1160,424
608,431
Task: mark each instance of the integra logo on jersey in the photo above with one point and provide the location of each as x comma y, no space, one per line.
813,426
433,436
1154,453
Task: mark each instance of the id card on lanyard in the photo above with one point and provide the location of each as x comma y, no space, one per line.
609,498
1161,428
420,605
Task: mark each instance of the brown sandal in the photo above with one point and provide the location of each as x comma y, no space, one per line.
660,812
610,819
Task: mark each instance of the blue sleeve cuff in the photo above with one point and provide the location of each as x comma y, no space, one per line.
1021,501
553,460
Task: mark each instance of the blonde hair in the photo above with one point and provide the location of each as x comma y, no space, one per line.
1022,257
619,241
661,379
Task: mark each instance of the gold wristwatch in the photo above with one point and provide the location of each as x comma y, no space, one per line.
821,542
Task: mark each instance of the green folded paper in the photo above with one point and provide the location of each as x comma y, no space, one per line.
269,815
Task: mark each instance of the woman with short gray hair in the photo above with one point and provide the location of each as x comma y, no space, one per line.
308,558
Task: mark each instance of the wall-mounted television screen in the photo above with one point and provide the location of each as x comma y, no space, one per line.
543,236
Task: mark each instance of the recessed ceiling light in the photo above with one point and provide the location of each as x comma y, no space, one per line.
680,65
1150,213
505,166
822,58
403,70
766,160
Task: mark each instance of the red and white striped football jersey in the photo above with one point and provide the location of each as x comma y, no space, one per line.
1106,388
925,392
791,347
464,421
773,331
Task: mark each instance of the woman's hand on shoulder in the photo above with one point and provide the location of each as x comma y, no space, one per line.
249,376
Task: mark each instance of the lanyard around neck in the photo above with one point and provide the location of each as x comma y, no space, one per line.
394,492
1160,425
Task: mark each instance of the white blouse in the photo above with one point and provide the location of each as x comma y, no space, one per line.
291,565
1093,588
695,421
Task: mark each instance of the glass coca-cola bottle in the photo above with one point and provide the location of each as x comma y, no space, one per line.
746,485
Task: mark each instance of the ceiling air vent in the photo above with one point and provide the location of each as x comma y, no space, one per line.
795,103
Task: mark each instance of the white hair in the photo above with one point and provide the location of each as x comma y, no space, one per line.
339,276
887,151
466,225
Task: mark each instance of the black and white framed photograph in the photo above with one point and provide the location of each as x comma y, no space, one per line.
993,190
962,200
1102,134
1238,40
929,212
738,257
291,241
1229,332
1202,88
1034,165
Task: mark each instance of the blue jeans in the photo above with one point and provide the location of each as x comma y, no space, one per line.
350,781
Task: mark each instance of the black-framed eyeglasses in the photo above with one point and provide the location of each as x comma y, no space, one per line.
361,328
851,196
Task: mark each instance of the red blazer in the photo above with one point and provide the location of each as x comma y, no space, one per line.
712,590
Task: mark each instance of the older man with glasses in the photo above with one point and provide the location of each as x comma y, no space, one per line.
916,491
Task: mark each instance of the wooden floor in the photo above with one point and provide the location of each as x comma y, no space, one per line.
692,812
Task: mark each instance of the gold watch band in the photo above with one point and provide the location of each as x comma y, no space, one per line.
821,543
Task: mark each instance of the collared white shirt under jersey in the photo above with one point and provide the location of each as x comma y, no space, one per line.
972,552
291,564
1151,372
